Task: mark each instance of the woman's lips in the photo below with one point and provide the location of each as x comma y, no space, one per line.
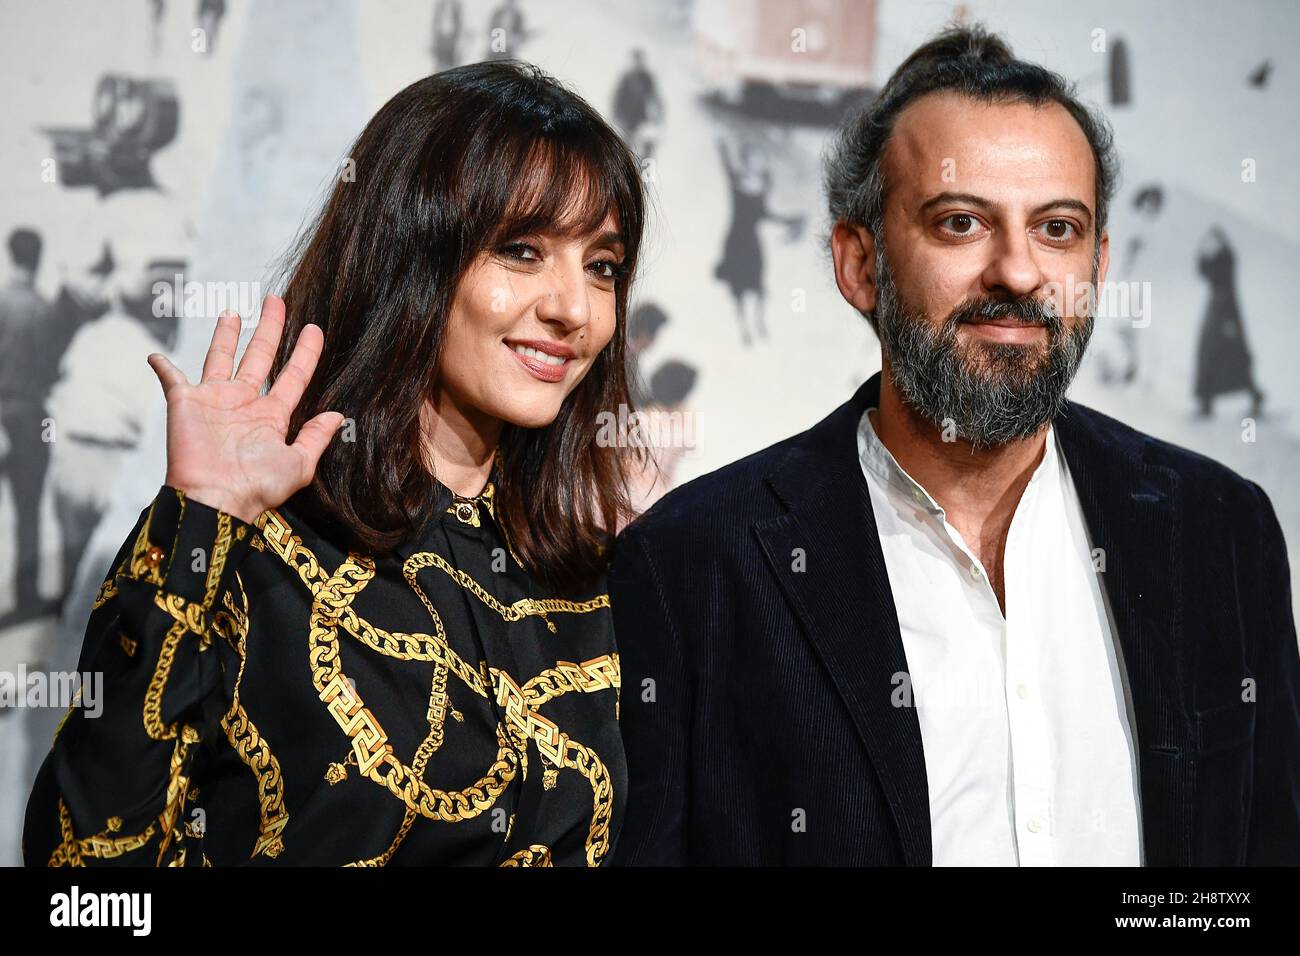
538,368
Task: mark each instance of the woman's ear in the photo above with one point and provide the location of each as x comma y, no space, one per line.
854,250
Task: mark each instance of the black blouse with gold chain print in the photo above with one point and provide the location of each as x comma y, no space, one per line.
268,697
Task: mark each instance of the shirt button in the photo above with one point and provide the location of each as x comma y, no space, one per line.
918,494
1033,826
1022,691
154,555
975,571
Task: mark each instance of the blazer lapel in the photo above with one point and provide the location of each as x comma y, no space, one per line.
843,601
1130,507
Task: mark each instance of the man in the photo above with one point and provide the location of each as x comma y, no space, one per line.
103,402
962,620
23,387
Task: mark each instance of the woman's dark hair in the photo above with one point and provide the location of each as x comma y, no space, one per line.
977,64
456,164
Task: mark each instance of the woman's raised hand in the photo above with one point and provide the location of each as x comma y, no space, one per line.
226,442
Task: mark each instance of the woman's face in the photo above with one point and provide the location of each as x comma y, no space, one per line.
527,322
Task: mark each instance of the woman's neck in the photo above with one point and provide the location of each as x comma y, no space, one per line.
459,448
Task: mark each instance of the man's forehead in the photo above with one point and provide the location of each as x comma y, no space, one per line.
946,141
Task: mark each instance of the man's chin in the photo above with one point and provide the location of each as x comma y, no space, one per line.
1007,363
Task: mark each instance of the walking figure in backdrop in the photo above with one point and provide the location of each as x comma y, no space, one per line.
1223,361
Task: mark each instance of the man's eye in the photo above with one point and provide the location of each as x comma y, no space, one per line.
961,224
1059,230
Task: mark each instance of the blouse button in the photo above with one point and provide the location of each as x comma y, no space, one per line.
154,555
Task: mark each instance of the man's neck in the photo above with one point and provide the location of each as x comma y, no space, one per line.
978,488
968,481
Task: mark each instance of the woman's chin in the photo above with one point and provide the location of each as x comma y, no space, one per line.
530,415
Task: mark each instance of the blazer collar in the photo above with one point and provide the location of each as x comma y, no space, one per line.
825,552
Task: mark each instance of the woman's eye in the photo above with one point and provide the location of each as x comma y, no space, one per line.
521,250
607,269
960,224
1059,230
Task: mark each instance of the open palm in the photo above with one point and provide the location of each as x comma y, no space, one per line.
226,442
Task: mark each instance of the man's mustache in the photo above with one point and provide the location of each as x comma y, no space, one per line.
1026,309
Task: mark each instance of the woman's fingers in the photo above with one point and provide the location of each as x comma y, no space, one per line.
169,376
221,352
313,438
260,354
293,378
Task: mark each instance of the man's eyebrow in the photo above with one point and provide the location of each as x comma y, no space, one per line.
973,200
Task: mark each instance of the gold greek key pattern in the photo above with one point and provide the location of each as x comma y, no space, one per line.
436,714
599,673
369,741
217,561
102,845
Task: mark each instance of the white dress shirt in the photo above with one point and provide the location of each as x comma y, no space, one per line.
1025,719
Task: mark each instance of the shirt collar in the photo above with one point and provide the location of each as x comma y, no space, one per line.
880,461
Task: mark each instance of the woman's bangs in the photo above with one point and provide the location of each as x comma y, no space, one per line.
565,192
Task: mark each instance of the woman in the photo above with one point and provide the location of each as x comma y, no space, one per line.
385,642
1223,360
741,265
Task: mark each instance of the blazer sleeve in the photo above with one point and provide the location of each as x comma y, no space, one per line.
1273,837
113,787
656,711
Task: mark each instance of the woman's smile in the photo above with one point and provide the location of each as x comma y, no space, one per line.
543,359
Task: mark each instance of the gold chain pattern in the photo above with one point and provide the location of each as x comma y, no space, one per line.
332,596
245,739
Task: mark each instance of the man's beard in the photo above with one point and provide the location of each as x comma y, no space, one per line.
986,393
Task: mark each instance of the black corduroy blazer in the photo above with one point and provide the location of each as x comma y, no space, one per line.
758,640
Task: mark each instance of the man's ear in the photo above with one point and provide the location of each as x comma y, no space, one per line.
854,250
1103,262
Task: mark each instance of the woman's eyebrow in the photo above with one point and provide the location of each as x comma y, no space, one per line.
610,239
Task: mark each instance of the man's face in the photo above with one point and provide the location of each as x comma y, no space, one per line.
980,289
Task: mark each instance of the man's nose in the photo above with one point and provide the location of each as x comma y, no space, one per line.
1013,268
